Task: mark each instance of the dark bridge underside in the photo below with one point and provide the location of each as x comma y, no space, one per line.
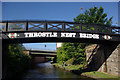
42,40
43,55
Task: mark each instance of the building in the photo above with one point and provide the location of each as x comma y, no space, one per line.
58,45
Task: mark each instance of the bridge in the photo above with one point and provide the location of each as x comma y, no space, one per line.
58,31
107,37
41,55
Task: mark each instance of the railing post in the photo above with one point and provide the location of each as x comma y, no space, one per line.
63,26
96,27
80,27
26,26
118,30
110,30
6,29
46,26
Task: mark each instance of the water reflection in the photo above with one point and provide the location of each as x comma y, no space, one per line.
47,70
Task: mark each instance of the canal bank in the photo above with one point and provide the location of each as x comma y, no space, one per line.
95,74
49,71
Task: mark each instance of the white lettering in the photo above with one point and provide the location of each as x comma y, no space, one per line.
55,34
96,36
68,34
84,35
26,34
63,34
41,34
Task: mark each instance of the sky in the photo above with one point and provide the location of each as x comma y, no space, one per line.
63,11
60,0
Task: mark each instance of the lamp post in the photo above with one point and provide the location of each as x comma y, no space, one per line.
45,45
116,23
81,10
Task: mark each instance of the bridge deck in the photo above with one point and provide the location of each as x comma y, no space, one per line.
58,31
42,53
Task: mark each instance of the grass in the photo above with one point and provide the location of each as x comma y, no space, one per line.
72,67
97,74
94,74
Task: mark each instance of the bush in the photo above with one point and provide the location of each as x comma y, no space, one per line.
72,50
61,62
69,62
17,61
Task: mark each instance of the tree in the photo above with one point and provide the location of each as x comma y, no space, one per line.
72,50
94,16
77,50
17,61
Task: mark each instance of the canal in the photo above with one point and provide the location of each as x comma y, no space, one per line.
48,71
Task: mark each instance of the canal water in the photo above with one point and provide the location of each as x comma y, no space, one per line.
48,71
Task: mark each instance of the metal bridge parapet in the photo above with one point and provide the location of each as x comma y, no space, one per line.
9,26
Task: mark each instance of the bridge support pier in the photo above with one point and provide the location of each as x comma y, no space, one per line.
100,56
33,60
55,59
5,50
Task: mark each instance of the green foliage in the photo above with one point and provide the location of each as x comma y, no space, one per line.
101,75
69,62
71,67
61,62
52,58
94,15
17,61
75,51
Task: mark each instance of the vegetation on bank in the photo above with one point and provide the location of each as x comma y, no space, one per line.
96,74
71,53
17,61
72,67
